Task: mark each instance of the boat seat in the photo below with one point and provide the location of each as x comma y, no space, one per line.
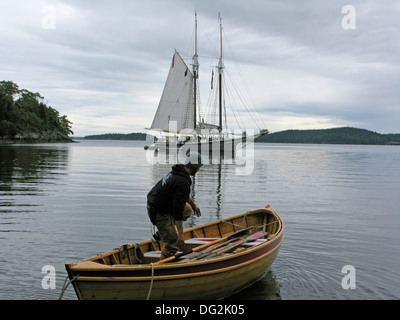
152,254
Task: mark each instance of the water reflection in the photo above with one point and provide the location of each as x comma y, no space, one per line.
268,288
28,171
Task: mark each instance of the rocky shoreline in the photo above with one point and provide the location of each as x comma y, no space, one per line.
31,137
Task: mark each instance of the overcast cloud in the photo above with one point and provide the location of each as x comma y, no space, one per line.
104,63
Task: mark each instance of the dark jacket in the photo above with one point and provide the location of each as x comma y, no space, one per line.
170,194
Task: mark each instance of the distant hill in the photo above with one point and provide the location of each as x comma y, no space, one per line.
117,136
344,135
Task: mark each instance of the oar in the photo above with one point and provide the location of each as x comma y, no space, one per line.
212,248
219,245
199,248
229,247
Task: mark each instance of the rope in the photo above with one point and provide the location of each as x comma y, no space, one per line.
66,286
151,283
137,246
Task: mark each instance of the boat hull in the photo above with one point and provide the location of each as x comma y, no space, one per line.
209,279
222,147
213,146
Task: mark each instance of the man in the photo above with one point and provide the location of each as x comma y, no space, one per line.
169,203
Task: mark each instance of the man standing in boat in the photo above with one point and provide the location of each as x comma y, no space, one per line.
169,203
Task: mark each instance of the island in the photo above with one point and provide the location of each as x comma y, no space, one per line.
117,136
25,118
342,135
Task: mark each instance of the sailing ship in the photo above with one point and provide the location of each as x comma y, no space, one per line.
178,119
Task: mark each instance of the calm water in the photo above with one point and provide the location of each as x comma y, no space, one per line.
60,203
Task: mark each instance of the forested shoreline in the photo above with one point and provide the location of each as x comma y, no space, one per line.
117,136
24,117
342,135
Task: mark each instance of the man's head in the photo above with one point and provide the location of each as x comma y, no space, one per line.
193,162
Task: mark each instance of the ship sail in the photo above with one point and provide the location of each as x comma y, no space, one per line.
175,110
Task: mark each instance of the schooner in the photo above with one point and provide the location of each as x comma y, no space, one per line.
177,118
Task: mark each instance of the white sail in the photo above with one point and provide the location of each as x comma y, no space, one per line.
176,104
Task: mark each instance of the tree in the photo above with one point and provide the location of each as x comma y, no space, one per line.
9,88
65,125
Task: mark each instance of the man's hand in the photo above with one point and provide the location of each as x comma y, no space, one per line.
181,240
196,210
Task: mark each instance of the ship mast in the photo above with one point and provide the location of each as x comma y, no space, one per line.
195,74
220,71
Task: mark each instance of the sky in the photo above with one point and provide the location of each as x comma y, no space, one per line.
307,64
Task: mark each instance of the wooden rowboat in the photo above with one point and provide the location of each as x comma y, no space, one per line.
132,271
